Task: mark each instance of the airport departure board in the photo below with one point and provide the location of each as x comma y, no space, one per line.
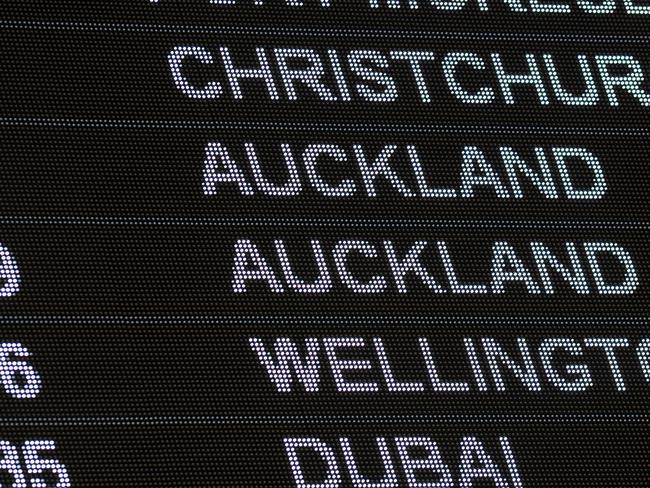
324,243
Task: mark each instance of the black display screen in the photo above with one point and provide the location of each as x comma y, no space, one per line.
324,243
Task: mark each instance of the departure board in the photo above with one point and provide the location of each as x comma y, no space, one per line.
324,243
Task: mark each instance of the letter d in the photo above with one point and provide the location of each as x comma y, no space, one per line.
631,280
333,475
598,183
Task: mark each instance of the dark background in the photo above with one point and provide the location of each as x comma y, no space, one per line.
142,347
